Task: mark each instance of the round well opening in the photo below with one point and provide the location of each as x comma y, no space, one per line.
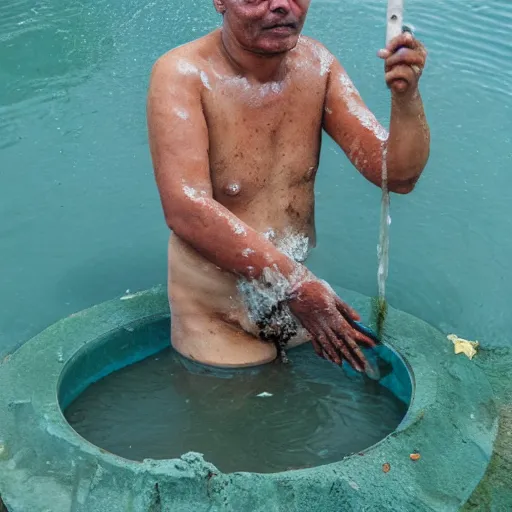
128,392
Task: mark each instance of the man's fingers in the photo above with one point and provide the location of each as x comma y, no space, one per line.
322,346
327,347
317,347
346,310
360,337
314,341
344,350
401,73
405,56
356,351
345,329
347,333
403,39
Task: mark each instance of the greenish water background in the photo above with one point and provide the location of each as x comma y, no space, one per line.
80,216
80,219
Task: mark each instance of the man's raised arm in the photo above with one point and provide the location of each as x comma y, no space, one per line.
178,136
356,130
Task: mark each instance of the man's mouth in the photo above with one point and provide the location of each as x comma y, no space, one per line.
282,27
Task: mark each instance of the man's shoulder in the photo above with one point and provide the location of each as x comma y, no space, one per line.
315,54
312,44
184,63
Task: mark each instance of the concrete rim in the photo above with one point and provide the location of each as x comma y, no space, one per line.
45,465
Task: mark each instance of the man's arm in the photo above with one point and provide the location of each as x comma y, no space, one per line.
356,130
178,137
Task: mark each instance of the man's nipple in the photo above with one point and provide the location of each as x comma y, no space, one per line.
232,189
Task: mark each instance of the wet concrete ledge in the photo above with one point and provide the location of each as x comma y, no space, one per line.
45,466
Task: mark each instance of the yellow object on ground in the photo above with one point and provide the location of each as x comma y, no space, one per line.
462,346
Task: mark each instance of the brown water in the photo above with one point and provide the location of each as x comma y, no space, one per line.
315,414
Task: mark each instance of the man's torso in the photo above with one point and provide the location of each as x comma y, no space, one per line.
264,146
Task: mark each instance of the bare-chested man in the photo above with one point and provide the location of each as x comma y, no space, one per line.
235,121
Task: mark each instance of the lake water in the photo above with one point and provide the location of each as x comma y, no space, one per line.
81,219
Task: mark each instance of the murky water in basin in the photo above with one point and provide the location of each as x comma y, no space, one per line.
308,413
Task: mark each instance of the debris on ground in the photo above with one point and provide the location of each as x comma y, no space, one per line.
462,346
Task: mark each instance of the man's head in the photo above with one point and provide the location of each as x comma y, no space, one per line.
266,27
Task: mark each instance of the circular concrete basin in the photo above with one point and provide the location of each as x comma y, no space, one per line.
46,466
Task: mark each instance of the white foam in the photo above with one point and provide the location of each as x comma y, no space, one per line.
206,82
239,82
186,68
294,245
323,56
247,252
181,113
252,94
364,116
200,196
326,59
270,234
271,87
192,192
237,227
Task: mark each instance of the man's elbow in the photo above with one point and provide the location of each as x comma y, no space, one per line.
402,186
186,214
178,213
180,222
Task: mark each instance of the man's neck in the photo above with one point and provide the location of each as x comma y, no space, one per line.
260,67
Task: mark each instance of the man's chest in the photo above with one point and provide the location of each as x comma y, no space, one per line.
262,138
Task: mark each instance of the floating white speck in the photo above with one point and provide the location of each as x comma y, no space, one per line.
353,485
264,395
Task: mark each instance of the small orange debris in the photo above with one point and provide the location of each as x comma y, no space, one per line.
386,467
415,456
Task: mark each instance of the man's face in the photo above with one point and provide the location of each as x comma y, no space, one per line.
264,26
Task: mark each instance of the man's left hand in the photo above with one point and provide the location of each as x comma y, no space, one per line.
405,59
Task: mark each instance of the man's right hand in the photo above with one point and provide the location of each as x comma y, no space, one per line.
324,315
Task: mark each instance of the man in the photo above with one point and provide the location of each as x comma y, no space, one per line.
235,121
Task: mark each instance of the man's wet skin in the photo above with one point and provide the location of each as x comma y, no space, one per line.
235,121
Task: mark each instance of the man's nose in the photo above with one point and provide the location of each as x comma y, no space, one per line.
280,6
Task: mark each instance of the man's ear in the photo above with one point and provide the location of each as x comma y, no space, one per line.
220,6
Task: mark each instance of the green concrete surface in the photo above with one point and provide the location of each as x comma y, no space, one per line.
46,467
494,493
